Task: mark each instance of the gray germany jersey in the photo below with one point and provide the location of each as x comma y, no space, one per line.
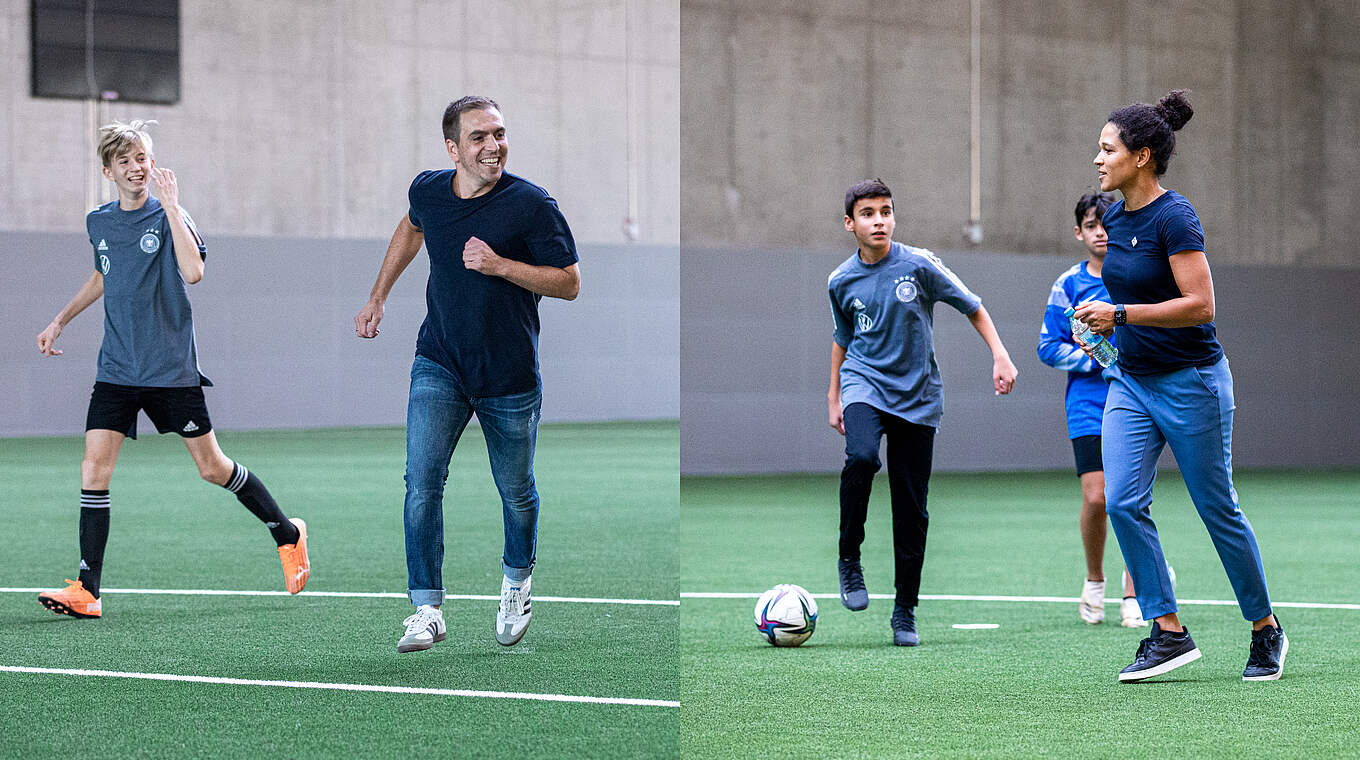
884,319
148,325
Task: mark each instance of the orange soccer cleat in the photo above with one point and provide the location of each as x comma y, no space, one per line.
73,600
296,565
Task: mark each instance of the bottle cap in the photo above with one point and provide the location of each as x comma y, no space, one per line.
1070,312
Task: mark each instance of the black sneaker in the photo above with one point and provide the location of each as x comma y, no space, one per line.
1268,648
853,594
904,627
1161,652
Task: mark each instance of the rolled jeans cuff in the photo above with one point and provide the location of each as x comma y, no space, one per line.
516,573
419,596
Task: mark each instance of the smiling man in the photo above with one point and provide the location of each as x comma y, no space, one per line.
497,244
885,382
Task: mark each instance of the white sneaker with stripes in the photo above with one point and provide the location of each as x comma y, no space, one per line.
512,618
423,629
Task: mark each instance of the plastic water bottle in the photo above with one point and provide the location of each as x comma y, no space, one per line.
1104,351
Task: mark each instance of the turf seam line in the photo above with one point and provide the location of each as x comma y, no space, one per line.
344,686
1000,598
351,594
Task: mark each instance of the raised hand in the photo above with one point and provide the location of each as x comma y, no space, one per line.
167,190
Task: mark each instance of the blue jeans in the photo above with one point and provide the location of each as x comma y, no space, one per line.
1192,411
436,414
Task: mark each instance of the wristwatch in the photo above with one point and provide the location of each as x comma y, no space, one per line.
1120,316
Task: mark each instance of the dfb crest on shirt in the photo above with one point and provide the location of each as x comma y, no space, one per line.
103,264
905,289
151,242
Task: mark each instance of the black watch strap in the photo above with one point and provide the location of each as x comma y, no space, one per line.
1120,316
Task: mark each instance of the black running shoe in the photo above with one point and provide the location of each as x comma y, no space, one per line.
1161,652
1268,648
853,594
904,627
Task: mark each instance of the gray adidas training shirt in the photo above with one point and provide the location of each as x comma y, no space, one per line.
148,325
885,321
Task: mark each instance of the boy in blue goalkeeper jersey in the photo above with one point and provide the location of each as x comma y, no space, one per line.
1085,402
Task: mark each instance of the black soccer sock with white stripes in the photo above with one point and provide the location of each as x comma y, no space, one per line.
94,535
252,493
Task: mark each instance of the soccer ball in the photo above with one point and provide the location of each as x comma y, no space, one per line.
786,615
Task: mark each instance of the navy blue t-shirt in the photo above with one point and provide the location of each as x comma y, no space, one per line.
484,329
1138,270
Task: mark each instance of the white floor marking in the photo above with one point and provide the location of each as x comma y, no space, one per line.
976,626
350,594
668,602
344,686
1000,598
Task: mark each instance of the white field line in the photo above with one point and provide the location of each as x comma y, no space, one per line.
344,686
350,594
671,602
997,598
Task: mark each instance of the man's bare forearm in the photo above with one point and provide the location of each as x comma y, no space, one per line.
554,282
401,251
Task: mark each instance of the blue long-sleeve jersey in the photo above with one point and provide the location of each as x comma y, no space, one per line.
1086,390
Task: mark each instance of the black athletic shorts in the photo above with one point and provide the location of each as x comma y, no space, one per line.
173,410
1086,449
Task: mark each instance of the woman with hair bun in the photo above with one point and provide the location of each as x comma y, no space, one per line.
1170,386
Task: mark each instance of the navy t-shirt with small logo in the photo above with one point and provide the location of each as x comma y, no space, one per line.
481,328
148,325
1138,270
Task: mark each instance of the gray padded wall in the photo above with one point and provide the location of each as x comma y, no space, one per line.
756,353
275,325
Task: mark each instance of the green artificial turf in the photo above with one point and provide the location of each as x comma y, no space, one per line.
1042,683
606,530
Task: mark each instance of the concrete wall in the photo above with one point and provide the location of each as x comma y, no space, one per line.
788,102
274,318
308,118
756,352
300,127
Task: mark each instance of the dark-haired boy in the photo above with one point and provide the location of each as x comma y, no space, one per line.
885,382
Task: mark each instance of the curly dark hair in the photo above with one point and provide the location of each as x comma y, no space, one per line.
1097,201
869,188
1147,126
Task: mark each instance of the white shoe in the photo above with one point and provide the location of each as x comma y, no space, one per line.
512,619
423,629
1130,616
1092,606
